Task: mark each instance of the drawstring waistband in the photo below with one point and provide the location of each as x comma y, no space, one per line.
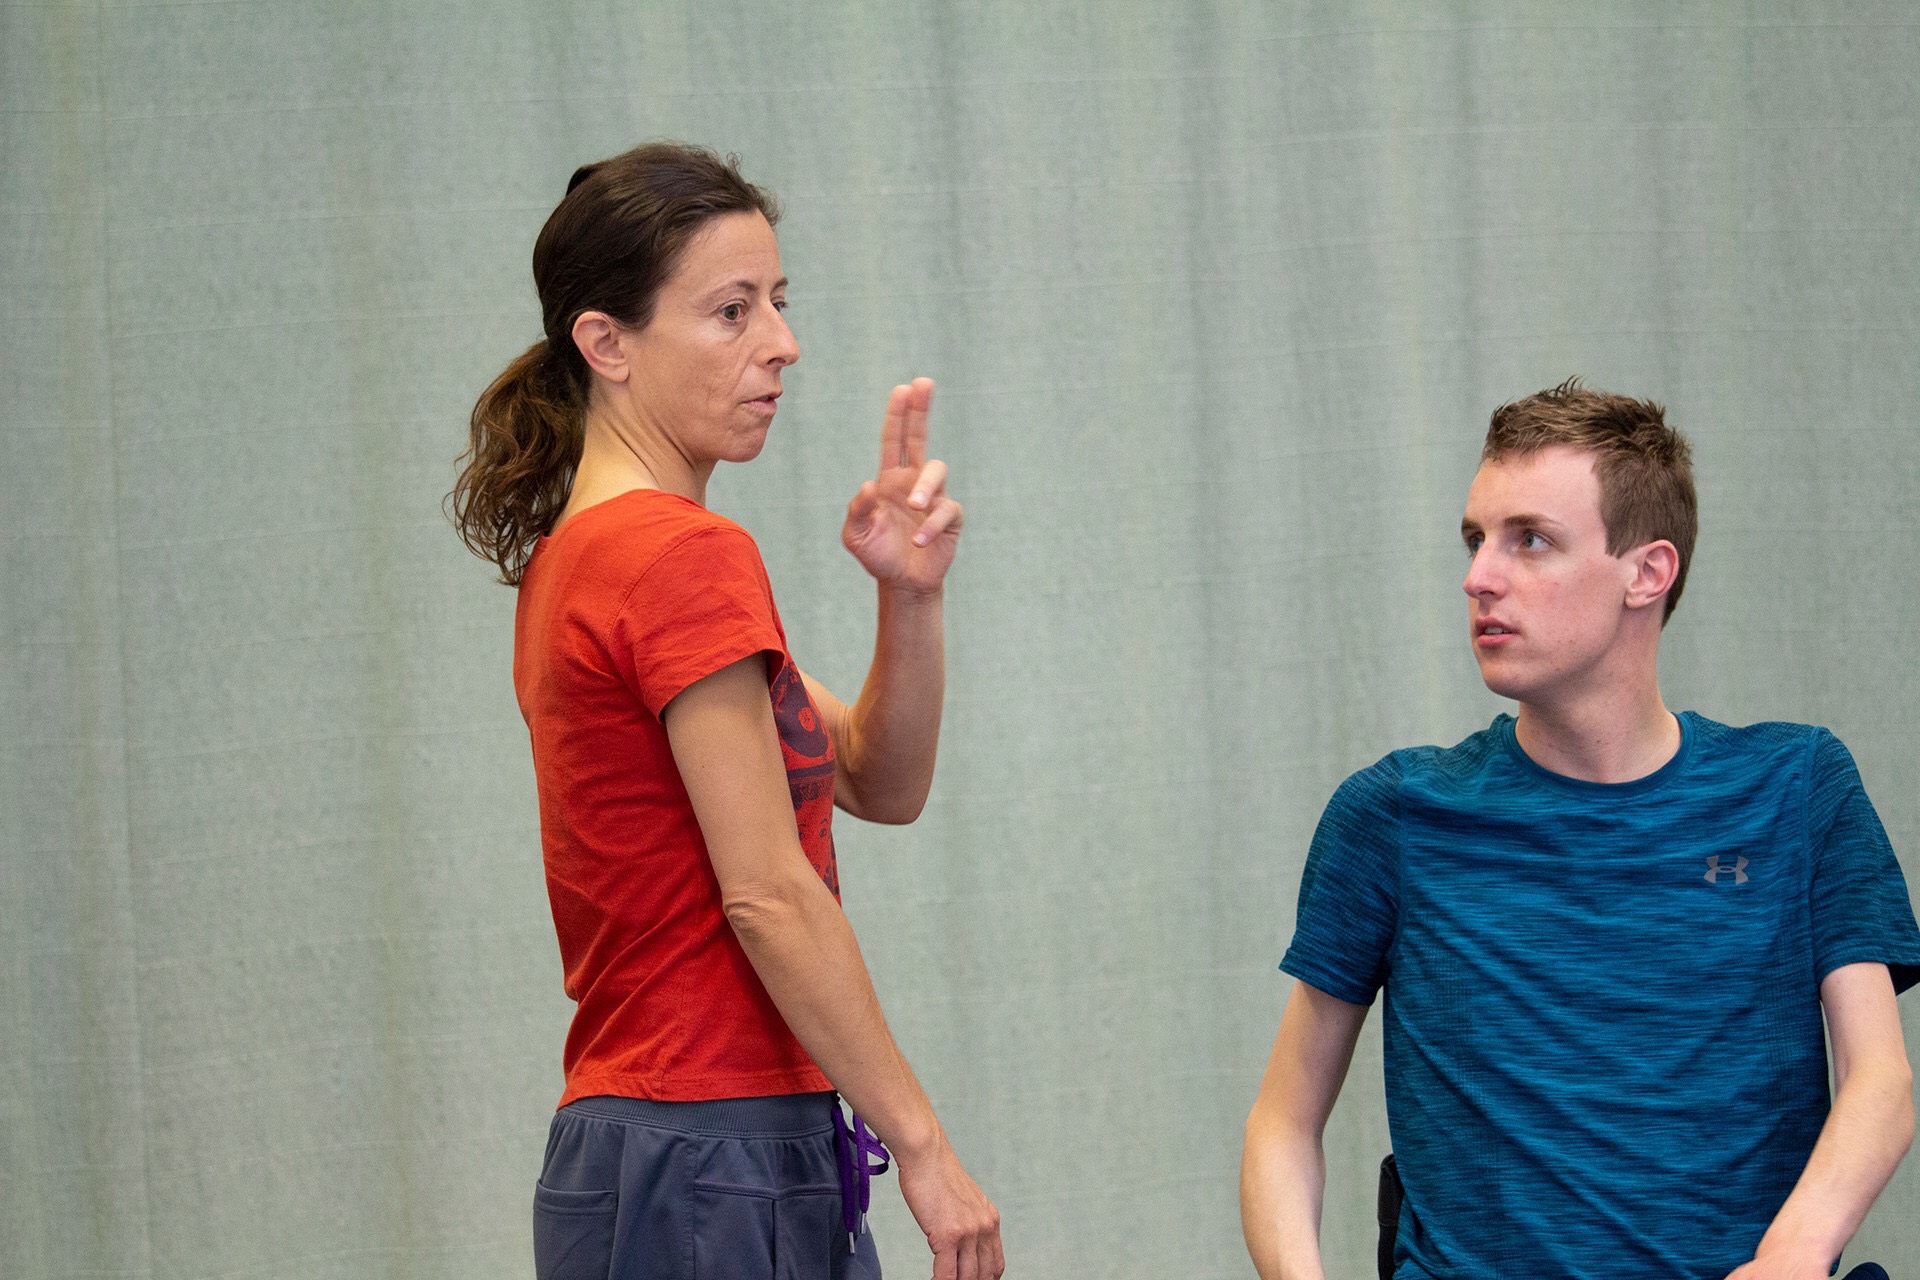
854,1148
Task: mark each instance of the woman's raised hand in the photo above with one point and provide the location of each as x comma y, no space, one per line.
902,527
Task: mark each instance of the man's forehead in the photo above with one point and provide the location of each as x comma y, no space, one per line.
1558,483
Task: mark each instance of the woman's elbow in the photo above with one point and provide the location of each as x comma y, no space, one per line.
894,806
761,909
895,813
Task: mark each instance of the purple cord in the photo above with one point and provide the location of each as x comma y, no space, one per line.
854,1147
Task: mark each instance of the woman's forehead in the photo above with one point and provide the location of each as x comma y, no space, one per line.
734,248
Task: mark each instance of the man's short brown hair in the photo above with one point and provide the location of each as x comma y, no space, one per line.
1645,467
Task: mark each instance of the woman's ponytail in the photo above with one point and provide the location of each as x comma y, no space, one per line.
524,445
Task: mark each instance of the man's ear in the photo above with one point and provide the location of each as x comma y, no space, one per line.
598,338
1655,566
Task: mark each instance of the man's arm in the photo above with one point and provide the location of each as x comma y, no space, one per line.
1867,1132
1283,1174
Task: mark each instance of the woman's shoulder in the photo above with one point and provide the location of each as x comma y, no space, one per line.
642,527
644,521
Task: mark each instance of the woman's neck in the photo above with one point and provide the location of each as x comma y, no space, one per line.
616,458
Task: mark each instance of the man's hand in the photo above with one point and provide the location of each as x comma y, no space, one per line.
902,527
962,1226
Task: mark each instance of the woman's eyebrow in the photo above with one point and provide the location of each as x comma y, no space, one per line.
742,286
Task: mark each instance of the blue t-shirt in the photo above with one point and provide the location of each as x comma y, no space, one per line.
1605,1057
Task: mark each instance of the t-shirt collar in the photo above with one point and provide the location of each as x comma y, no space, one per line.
1503,725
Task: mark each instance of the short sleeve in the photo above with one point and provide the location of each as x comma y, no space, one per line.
1860,907
1349,895
702,605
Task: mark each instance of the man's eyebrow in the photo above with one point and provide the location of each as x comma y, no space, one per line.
1524,520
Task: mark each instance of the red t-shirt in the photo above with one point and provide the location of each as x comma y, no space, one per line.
622,608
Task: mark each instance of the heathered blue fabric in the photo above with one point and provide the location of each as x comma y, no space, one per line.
1605,1057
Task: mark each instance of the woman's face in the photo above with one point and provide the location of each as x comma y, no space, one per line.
706,369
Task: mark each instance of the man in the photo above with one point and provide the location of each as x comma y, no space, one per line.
1607,935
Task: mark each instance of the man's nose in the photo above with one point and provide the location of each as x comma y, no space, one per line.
1483,577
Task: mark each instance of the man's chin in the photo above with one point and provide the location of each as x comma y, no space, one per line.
1504,684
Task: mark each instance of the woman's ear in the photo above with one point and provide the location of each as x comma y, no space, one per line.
598,338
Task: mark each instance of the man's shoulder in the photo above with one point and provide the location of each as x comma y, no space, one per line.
1427,767
1766,744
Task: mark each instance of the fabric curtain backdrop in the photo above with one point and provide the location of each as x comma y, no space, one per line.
1219,296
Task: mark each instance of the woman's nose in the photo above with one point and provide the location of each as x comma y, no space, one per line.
784,348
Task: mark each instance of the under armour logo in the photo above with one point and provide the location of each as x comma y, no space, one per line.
1714,870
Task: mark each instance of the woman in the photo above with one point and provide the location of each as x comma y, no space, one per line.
688,770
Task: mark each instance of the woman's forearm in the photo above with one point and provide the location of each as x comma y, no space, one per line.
893,728
803,950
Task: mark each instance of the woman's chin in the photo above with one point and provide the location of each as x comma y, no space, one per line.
746,446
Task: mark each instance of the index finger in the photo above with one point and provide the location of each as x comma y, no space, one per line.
919,401
893,432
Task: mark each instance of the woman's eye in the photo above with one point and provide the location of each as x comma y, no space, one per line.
733,311
779,304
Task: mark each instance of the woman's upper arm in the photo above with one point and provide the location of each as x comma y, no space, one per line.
727,749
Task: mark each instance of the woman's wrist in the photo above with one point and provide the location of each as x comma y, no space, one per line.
908,595
919,1142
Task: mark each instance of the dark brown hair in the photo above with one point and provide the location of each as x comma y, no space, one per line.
609,246
1644,466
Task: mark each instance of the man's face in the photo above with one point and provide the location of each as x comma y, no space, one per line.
1546,602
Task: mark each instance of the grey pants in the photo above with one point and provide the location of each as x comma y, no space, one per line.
736,1189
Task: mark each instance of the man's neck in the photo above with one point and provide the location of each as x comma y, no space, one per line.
1617,736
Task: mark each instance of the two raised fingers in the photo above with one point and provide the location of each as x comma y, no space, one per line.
903,436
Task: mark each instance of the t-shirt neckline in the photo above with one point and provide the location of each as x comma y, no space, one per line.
1504,724
584,512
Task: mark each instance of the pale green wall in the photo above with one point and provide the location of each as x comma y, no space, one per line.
1220,296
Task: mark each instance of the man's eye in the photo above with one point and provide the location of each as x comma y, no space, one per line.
1532,541
779,304
733,311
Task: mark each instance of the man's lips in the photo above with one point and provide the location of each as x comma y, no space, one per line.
765,403
1490,632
